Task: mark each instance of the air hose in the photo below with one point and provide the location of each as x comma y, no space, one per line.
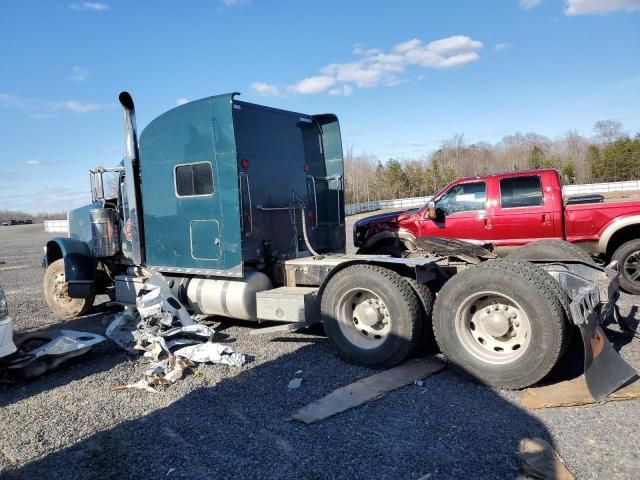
304,233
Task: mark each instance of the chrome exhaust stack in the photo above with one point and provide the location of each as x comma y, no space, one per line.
134,227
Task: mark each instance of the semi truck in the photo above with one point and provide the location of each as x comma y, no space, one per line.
510,210
241,208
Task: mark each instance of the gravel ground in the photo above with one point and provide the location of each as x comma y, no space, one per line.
221,422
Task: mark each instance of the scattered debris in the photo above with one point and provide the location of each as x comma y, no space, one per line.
370,388
212,352
419,383
538,459
571,393
160,375
159,326
38,352
294,383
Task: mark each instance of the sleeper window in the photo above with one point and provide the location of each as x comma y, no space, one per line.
194,179
521,192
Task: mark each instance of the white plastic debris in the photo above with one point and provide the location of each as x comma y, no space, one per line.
294,383
212,352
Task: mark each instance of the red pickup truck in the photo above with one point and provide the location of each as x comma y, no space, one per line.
509,210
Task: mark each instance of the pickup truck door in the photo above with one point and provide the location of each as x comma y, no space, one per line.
523,211
463,213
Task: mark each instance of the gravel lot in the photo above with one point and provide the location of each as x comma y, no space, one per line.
233,423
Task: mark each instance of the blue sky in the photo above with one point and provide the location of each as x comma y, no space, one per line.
401,75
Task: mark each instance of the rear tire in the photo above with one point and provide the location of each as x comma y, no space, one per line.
371,315
425,342
502,326
56,293
396,249
628,257
551,249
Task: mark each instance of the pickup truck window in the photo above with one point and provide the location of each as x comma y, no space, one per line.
464,198
521,192
194,179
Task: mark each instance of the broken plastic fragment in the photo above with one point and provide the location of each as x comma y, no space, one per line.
212,352
294,383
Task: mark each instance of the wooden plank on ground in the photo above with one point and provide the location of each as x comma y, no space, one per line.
367,389
572,393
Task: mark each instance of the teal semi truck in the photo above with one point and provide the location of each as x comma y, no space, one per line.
241,208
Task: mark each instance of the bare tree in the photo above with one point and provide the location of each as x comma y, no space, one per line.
607,131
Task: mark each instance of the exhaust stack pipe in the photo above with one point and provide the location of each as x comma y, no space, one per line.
134,227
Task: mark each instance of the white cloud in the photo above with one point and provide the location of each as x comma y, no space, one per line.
315,84
79,107
95,6
33,162
78,74
265,89
182,101
346,90
233,3
529,4
415,143
499,47
600,7
374,66
46,109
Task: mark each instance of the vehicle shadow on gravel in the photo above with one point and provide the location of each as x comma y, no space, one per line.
102,357
240,428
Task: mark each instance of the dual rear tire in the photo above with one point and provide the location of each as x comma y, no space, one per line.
503,322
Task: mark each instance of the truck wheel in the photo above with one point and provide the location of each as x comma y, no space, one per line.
371,315
628,257
425,341
504,327
551,249
56,293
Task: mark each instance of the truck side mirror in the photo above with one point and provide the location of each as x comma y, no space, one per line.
431,210
97,188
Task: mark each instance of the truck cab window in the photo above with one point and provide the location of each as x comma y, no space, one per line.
521,192
194,179
463,198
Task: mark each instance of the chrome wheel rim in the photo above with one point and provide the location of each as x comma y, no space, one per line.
493,328
631,267
363,318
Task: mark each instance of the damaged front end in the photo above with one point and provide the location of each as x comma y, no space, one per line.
593,291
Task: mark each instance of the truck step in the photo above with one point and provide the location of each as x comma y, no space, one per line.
288,304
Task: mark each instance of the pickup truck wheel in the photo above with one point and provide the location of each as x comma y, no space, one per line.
396,249
628,257
501,326
371,315
551,249
56,293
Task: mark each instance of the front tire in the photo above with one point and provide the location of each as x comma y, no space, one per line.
505,327
56,293
628,257
371,315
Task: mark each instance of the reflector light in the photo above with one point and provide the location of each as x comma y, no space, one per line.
306,168
244,163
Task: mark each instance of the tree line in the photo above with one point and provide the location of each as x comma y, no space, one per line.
611,155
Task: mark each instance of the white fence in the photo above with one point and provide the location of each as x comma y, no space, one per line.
630,186
354,208
60,226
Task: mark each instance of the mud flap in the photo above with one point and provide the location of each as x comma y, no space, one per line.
605,370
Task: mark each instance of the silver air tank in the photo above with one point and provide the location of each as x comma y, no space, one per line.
226,298
105,232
